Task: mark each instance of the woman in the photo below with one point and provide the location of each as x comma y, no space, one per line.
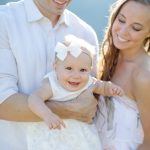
127,63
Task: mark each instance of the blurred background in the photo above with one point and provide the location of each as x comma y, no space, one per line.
94,12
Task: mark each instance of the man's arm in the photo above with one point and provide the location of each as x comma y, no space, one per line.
82,108
144,146
15,108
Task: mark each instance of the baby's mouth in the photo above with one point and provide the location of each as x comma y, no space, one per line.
73,83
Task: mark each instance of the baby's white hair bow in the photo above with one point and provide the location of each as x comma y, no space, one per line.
62,50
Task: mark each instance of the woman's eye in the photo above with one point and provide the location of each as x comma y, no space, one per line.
121,20
136,29
68,68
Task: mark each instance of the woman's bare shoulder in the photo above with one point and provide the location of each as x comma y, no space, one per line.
141,78
141,72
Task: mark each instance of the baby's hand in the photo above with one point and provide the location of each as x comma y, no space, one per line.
113,90
54,122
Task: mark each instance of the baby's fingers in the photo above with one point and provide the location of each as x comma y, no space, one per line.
62,123
56,125
118,91
121,93
50,126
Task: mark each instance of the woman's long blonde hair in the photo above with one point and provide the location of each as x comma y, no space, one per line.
110,53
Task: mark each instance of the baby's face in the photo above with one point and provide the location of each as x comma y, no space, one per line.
73,73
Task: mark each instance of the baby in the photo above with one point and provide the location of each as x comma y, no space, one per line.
70,77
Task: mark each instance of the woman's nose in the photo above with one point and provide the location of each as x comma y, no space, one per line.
124,30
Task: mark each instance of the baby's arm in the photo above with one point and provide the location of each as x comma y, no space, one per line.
107,88
37,104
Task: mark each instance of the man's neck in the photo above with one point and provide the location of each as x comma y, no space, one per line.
53,18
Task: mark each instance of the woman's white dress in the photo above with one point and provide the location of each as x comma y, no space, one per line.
126,132
76,136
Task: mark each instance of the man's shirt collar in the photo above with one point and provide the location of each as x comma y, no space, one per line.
33,13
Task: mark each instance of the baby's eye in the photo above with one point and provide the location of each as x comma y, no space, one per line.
68,68
83,70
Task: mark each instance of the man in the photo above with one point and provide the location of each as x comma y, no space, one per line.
29,30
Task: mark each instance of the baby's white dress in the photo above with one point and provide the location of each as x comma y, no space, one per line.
126,132
76,136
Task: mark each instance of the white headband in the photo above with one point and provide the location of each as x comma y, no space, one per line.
74,49
62,50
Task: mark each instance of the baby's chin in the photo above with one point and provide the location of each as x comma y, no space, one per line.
73,87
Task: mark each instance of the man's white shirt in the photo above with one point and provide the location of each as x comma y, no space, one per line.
27,41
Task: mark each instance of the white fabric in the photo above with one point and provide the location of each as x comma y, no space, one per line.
62,50
76,136
61,94
127,132
27,41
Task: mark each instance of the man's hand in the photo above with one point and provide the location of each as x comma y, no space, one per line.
82,108
86,105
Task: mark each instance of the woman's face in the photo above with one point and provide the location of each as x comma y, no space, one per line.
131,26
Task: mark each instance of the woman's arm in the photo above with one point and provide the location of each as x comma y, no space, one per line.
142,94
